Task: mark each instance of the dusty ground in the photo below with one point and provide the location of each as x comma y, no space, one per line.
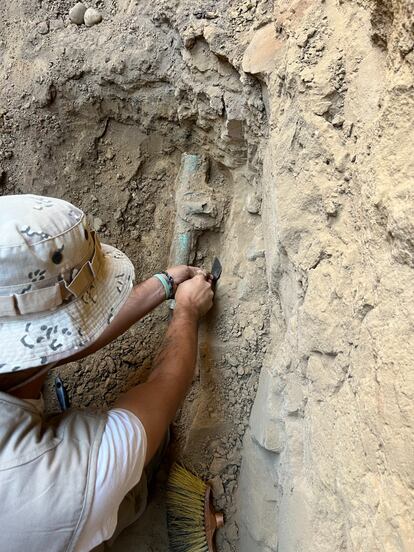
304,109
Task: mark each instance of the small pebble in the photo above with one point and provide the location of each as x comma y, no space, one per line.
76,14
97,224
232,361
231,487
253,254
92,17
338,121
189,42
232,531
43,28
247,369
217,486
253,204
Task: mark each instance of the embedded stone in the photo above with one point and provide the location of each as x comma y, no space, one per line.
76,14
260,55
92,17
43,28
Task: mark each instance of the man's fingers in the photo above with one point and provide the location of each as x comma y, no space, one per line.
207,284
196,270
201,277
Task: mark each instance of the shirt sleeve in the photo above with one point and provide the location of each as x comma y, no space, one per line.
121,460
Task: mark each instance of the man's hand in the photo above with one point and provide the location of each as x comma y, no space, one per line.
181,273
195,296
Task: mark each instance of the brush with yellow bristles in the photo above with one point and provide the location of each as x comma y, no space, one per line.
191,518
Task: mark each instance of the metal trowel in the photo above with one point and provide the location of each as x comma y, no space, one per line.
216,271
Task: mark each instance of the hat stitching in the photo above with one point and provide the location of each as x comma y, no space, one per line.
30,233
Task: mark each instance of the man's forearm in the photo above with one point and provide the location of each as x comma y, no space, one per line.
156,401
176,359
143,298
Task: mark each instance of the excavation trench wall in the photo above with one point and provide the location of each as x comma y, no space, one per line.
328,460
303,112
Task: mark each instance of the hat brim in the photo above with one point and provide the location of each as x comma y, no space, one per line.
37,340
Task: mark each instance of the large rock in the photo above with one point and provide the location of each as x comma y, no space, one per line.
260,56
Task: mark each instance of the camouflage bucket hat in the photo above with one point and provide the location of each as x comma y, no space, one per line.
59,287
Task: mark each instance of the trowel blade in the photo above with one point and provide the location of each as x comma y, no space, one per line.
216,271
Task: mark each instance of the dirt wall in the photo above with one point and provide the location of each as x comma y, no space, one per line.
331,428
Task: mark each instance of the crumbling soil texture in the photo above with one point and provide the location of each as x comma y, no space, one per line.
303,111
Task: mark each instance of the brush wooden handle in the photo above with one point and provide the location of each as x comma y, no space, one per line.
212,520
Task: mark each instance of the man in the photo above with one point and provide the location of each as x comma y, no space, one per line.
73,482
